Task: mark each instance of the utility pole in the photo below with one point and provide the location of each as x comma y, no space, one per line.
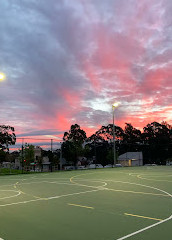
22,155
51,154
95,152
51,145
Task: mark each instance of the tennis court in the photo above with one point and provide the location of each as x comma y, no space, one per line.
102,204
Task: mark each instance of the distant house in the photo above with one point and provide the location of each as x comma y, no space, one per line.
37,152
34,165
45,164
131,159
7,165
82,161
169,163
18,163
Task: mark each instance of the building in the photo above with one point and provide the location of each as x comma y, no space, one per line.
7,165
40,163
18,164
45,164
131,159
37,152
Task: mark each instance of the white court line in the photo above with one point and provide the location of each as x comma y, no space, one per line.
49,198
150,179
142,185
98,189
84,185
113,181
7,186
67,183
151,226
143,229
18,193
150,175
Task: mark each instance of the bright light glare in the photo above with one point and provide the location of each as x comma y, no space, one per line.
2,76
116,104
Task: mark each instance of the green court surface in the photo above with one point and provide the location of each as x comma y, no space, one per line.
102,204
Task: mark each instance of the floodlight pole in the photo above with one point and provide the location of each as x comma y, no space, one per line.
61,156
115,105
51,166
114,148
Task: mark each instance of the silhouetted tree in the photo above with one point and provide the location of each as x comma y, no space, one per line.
75,134
105,133
155,142
101,143
2,156
7,137
157,139
131,134
156,133
72,145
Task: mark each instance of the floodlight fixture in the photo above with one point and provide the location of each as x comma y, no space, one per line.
115,104
2,76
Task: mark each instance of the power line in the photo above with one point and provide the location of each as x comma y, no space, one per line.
42,139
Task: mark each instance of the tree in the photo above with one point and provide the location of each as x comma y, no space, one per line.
131,139
157,133
157,138
28,154
72,145
7,137
75,134
105,133
131,134
101,143
70,152
2,156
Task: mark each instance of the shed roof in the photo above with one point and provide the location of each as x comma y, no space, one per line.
131,156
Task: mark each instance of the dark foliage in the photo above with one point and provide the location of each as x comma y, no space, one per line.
7,137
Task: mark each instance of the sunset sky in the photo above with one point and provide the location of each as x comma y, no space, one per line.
67,61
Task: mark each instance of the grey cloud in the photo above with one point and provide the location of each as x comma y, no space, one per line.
39,40
45,44
40,132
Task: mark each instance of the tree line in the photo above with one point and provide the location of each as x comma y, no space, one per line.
155,142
